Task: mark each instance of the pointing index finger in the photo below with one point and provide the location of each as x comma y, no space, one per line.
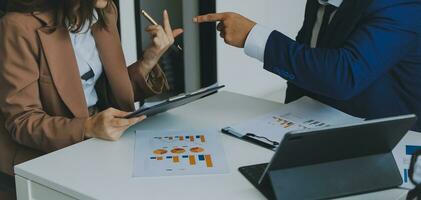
167,25
209,18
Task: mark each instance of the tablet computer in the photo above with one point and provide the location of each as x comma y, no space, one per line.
175,102
333,162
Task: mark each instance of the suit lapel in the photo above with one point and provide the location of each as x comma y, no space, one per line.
111,54
341,26
344,22
304,36
61,61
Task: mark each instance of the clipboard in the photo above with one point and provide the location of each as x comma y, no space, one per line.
252,138
175,102
269,129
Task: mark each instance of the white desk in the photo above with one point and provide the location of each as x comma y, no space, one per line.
97,169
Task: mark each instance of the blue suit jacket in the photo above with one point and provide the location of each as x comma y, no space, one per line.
376,73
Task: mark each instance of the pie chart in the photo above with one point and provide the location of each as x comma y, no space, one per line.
178,150
196,149
160,151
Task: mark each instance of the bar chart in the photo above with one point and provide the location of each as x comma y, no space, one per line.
409,151
293,120
193,155
191,159
180,153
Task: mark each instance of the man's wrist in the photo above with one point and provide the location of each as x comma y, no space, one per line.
256,42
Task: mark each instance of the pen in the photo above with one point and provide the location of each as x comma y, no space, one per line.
153,22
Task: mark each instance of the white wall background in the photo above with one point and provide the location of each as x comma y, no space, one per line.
128,30
245,75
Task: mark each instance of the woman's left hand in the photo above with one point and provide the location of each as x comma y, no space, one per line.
162,39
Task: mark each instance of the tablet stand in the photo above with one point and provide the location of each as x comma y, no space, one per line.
336,179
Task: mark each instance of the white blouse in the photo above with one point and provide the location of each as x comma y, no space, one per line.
88,60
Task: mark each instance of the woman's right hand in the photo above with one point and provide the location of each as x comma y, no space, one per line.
162,38
109,124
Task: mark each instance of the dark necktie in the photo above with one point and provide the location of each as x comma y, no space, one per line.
326,20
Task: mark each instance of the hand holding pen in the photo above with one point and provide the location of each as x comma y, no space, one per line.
177,48
162,39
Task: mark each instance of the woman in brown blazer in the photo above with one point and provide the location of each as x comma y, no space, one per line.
43,101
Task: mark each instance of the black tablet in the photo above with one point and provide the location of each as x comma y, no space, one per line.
333,162
175,102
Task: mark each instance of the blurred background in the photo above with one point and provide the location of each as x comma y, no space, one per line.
206,59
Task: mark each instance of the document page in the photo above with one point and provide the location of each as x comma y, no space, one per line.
304,113
172,153
403,152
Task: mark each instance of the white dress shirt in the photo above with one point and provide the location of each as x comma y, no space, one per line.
88,59
256,40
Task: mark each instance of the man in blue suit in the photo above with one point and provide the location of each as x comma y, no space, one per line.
360,56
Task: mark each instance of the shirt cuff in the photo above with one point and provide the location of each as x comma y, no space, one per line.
256,42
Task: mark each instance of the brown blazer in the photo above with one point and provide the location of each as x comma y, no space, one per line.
42,104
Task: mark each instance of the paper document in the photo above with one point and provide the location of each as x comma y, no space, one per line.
171,153
403,152
304,113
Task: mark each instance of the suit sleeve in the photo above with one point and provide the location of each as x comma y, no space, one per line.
20,102
156,83
372,50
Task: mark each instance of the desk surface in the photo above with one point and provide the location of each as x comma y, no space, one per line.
97,169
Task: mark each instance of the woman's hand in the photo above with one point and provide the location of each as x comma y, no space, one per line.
162,39
109,124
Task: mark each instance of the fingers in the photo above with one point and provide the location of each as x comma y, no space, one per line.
221,30
110,124
220,26
154,28
177,32
221,34
157,33
167,25
117,131
121,123
209,18
112,112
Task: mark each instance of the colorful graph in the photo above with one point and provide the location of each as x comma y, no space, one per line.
172,153
178,150
290,120
283,122
191,138
181,145
197,149
160,151
190,159
409,151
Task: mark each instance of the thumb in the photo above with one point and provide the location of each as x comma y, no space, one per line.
136,120
177,32
120,113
